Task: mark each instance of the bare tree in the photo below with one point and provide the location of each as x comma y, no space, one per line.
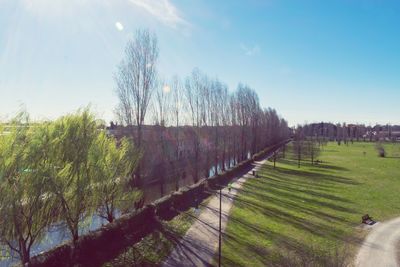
298,144
207,120
175,115
255,110
224,110
216,110
313,150
193,88
162,103
161,114
232,109
135,81
242,117
245,105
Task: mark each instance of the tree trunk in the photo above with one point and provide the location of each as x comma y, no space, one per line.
177,182
196,163
110,218
312,157
242,143
223,151
136,174
216,151
162,178
162,185
298,155
75,235
24,252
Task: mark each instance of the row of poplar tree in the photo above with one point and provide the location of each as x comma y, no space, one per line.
226,126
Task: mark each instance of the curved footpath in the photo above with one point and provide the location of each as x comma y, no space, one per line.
200,243
380,246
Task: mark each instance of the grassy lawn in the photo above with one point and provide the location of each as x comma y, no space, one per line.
312,213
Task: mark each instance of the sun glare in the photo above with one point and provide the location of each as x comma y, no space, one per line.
166,89
119,26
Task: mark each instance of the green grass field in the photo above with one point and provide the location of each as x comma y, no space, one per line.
311,213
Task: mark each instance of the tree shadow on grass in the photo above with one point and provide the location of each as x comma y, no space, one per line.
314,191
296,206
298,198
188,250
331,150
269,256
284,217
163,240
278,196
247,248
287,180
286,196
318,166
307,175
191,249
264,200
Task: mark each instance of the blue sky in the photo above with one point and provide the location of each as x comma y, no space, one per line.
331,60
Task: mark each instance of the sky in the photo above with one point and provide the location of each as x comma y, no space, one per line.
325,60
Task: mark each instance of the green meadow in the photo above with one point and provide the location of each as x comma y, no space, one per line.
312,214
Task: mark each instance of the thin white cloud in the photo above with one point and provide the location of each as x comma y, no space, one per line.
250,51
162,10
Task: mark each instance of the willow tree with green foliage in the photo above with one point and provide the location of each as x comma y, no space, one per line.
70,180
25,205
90,171
111,167
61,171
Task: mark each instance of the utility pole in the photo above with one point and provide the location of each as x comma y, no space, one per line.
220,216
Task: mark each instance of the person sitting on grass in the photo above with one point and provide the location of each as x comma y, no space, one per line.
229,187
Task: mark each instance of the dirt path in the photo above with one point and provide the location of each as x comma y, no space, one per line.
380,246
199,245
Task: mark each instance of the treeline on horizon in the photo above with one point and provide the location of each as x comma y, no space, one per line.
349,132
65,171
